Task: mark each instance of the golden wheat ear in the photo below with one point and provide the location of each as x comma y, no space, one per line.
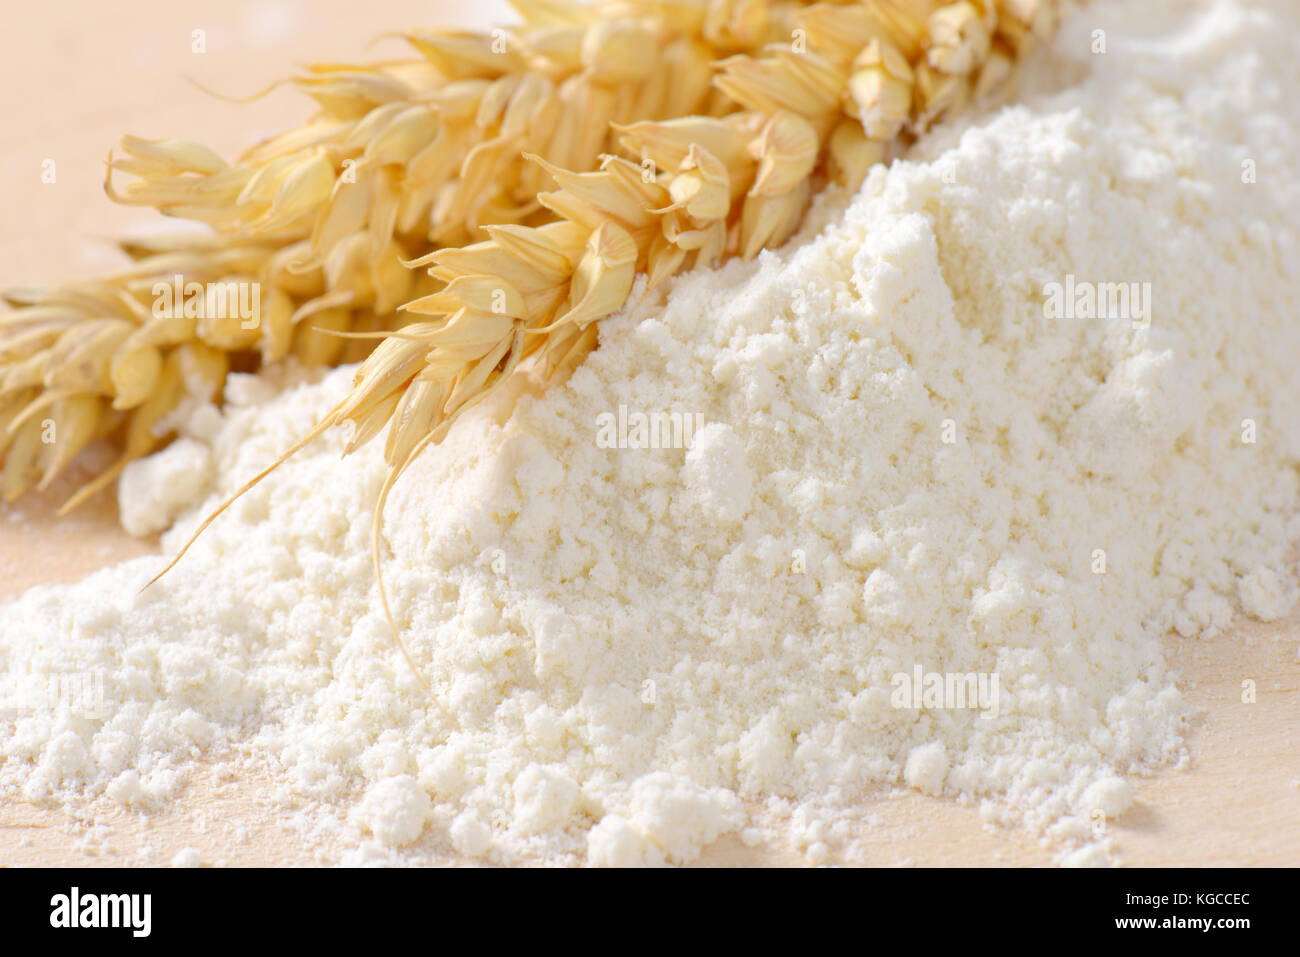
330,420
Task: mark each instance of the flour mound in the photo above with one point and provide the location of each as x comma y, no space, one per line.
906,466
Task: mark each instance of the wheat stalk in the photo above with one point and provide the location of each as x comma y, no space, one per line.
403,157
864,75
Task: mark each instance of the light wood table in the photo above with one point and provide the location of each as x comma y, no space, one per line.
78,75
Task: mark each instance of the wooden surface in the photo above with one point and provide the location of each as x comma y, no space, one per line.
75,76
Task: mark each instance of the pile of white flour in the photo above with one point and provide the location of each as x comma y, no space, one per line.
904,463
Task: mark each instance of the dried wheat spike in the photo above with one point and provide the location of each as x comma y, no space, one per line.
402,157
431,147
717,186
100,359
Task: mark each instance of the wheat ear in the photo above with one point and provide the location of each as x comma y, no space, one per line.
402,157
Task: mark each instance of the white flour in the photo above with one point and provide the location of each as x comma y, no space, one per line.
905,467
